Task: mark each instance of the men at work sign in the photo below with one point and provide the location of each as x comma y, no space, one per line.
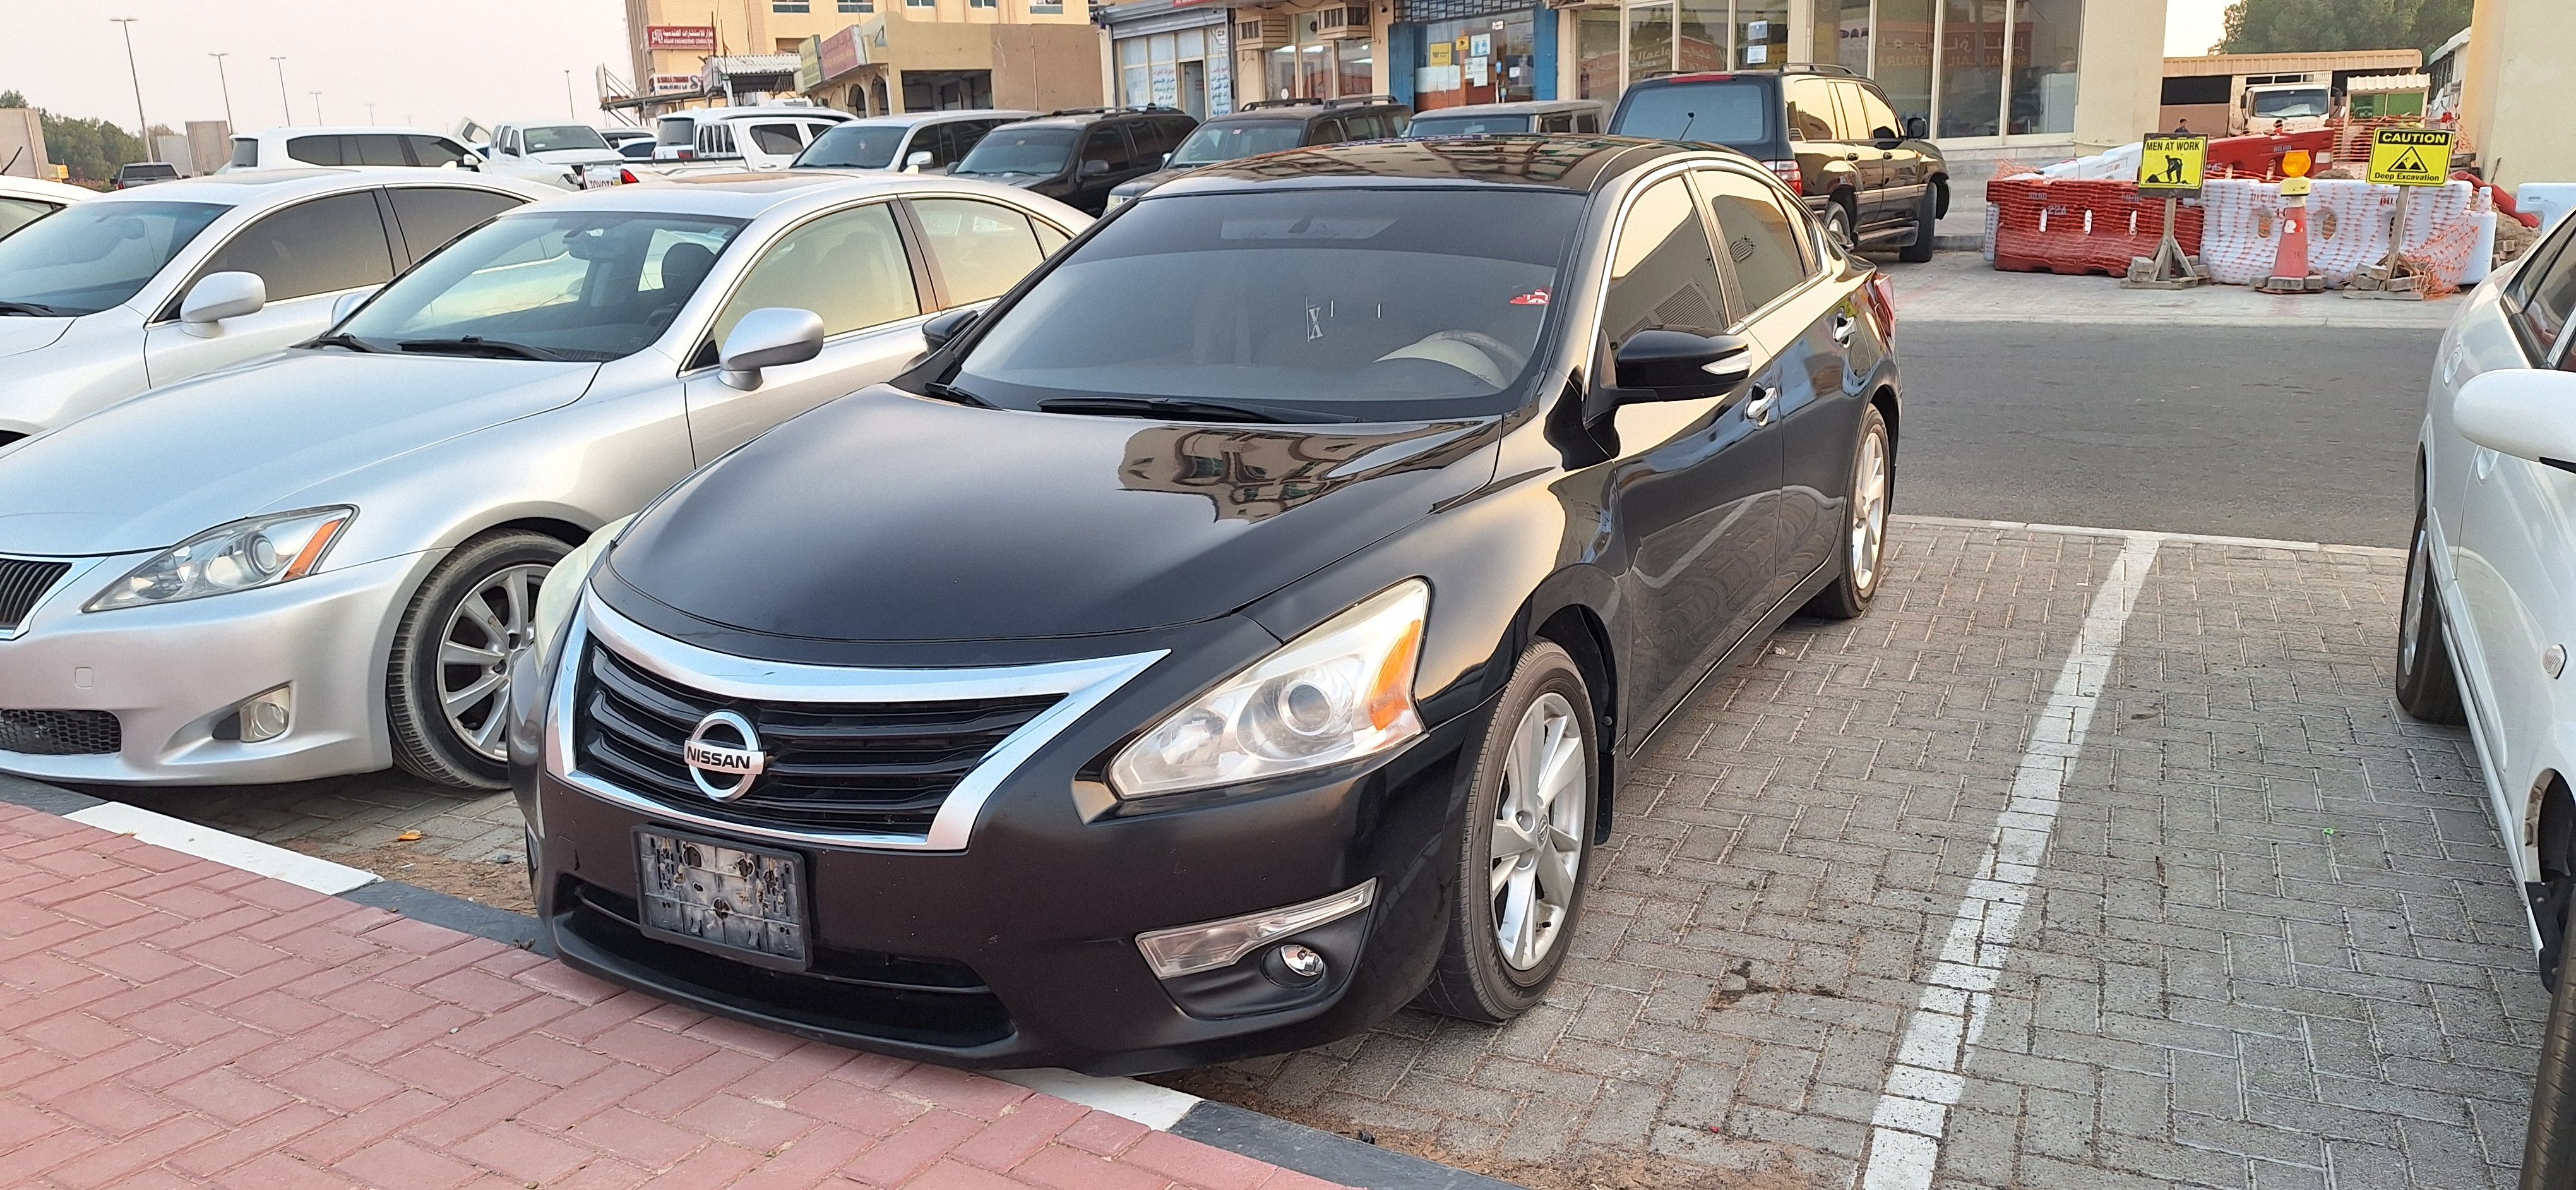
2172,165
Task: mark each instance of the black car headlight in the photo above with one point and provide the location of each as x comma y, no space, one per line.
1340,692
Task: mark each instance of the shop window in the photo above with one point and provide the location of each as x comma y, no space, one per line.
1596,55
2045,33
1357,68
1135,85
1761,34
1700,37
1972,67
1650,40
1840,35
1478,60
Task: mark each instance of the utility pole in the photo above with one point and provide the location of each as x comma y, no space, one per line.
570,112
283,104
227,85
142,127
371,114
317,107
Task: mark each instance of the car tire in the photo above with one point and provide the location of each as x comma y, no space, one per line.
2428,686
2549,1147
1927,220
1864,539
447,685
1841,224
1536,898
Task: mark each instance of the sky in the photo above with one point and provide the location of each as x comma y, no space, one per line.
424,63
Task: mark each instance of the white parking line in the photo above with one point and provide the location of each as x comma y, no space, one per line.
2271,543
1932,1054
223,847
1155,1107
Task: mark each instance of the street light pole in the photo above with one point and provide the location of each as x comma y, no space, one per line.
283,104
142,126
317,107
226,84
570,112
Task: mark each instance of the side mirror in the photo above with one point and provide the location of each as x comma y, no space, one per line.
941,330
1166,162
1917,128
218,296
770,337
1664,365
347,304
2528,413
912,162
1094,168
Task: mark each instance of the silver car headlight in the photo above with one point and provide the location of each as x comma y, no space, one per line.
1337,693
562,588
261,551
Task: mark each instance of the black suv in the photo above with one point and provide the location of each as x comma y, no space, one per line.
1875,179
1275,125
1078,155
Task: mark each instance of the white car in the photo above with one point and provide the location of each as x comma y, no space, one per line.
370,148
630,144
2490,596
916,142
25,200
321,563
570,156
743,137
149,286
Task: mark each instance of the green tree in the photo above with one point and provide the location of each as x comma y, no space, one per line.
90,149
2299,26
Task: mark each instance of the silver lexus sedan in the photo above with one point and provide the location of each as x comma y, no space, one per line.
153,285
320,563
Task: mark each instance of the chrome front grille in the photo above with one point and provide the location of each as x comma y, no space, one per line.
24,581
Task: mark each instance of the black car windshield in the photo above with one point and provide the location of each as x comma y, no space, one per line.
853,146
1010,150
1718,112
550,137
1436,124
574,285
1239,138
1382,304
93,255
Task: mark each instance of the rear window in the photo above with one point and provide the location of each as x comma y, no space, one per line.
1435,124
675,130
245,151
1721,112
149,170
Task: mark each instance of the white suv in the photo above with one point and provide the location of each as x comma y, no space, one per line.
742,137
373,148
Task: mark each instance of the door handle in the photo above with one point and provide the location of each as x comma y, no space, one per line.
1843,328
1758,410
1854,155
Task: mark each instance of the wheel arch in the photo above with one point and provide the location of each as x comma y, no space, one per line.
1579,629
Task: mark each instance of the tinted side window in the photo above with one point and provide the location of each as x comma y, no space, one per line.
1150,141
1328,132
434,150
1811,109
776,139
967,134
1662,272
376,149
2542,295
1050,237
981,249
314,150
1760,238
322,246
1875,112
848,267
432,215
1106,144
1587,122
245,151
19,212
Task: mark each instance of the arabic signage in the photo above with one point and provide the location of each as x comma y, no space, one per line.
700,38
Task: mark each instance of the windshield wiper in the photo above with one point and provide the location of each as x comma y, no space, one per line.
344,339
477,345
29,309
1176,408
950,392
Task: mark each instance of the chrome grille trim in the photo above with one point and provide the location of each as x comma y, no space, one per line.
1084,685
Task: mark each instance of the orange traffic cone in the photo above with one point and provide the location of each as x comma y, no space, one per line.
2290,262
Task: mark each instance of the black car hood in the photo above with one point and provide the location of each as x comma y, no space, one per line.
887,517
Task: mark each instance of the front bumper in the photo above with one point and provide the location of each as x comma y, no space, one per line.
1018,948
170,674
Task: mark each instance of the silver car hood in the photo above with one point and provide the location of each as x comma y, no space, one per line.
156,469
27,334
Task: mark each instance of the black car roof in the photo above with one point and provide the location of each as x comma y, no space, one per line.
1082,117
1574,163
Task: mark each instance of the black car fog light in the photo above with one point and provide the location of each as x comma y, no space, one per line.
1210,945
1293,966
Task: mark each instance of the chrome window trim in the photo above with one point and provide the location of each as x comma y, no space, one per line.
1084,685
80,567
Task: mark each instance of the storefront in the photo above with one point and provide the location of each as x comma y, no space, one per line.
1307,53
1170,54
1480,58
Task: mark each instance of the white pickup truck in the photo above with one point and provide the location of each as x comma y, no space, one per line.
573,156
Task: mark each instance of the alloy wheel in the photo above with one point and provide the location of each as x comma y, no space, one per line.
492,622
1869,511
1838,224
1538,832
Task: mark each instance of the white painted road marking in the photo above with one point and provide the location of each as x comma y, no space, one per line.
223,847
1941,1032
2269,543
1155,1107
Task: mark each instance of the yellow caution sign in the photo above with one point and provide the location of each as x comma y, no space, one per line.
2410,157
2171,165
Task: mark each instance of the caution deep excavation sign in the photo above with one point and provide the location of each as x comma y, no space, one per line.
2172,164
2410,157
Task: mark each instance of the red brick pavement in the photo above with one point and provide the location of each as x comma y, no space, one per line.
166,1021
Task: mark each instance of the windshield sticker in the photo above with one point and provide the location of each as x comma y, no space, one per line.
1535,297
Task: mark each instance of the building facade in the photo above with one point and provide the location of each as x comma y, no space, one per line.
863,56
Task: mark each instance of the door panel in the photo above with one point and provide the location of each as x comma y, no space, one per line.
2515,578
1695,480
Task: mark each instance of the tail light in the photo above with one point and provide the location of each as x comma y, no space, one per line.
1789,175
626,177
686,154
1882,300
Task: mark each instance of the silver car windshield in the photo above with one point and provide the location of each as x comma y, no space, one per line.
91,256
571,285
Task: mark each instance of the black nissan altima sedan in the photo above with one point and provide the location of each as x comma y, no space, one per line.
1237,632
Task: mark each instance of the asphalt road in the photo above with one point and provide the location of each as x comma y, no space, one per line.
2298,433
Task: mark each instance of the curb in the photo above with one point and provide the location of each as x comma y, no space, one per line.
1310,1151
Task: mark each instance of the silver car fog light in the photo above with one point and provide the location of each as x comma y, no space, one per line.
1187,950
261,717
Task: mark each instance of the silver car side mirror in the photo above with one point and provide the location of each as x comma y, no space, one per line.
2529,413
912,163
770,337
347,304
218,296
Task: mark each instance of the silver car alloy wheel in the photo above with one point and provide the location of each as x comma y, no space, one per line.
1538,831
490,624
1869,511
2410,620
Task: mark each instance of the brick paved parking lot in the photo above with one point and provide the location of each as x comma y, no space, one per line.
2243,925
